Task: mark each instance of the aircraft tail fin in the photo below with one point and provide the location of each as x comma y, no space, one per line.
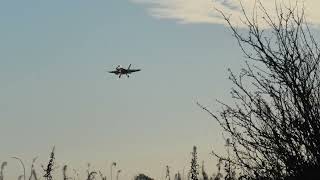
129,66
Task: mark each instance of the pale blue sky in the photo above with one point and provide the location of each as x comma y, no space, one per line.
55,90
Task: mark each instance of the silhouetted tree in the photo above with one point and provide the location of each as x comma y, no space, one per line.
274,124
142,177
194,172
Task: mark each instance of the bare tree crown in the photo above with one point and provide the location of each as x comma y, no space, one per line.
274,124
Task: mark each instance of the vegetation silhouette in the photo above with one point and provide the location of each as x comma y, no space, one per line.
3,165
94,174
194,171
177,176
142,177
204,174
274,124
49,169
167,173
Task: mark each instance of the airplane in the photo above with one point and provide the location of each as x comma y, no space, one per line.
120,71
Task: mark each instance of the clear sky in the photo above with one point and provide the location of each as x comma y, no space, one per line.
55,89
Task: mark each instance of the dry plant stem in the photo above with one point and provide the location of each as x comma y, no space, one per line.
3,165
24,169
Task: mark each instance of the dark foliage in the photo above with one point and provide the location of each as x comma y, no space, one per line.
274,125
49,169
194,171
142,177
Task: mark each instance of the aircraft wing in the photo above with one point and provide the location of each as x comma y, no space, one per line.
134,70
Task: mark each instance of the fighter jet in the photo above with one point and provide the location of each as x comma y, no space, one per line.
120,71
